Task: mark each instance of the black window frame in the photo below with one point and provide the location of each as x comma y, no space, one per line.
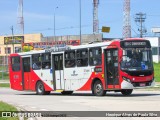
15,65
26,64
46,63
94,57
82,61
70,61
36,62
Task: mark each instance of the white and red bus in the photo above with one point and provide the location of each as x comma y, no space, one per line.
118,65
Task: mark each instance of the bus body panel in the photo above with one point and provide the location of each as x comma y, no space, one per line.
77,77
27,80
16,76
38,75
26,72
111,66
21,80
16,81
81,78
46,77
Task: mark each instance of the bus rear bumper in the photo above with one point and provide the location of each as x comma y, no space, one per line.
128,85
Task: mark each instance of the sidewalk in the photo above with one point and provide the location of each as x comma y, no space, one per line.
157,84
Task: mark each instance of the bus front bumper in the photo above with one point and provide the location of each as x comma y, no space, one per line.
128,85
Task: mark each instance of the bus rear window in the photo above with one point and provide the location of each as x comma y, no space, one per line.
15,63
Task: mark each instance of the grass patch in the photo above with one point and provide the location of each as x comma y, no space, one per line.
151,89
4,74
157,71
4,85
3,67
7,107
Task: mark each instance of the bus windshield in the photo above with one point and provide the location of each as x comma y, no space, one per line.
134,59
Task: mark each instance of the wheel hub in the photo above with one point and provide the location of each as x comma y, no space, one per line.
98,88
40,88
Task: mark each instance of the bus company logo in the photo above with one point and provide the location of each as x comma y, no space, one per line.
74,73
16,76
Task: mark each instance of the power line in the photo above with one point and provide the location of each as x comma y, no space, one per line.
154,15
140,19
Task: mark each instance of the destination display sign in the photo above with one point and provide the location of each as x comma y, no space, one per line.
133,44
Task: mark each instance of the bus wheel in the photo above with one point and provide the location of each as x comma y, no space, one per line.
98,89
40,88
126,92
67,92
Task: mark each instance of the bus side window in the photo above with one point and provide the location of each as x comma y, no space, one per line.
56,63
70,59
36,61
15,61
82,58
46,61
95,56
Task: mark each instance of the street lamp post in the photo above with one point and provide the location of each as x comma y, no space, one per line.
55,25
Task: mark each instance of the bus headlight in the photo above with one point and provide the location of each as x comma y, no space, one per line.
126,79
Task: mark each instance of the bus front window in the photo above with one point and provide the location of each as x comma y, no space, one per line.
136,59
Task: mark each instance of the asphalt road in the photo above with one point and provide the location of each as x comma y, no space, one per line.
83,101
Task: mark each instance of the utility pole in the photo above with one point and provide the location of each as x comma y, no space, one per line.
140,19
21,21
126,19
13,41
55,25
95,17
80,22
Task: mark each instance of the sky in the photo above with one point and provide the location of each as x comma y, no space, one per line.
39,16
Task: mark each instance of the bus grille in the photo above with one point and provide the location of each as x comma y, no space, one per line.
140,84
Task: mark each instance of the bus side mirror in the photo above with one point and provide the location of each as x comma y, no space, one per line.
51,71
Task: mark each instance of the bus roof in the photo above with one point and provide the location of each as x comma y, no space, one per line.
97,44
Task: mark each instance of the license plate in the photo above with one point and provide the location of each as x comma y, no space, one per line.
142,84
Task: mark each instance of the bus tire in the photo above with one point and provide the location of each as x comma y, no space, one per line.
66,92
126,92
98,89
40,88
47,92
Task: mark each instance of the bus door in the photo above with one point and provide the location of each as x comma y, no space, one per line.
26,72
111,68
57,68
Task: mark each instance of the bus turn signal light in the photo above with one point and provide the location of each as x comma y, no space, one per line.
126,79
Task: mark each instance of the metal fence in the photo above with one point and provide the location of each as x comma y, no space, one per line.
4,72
